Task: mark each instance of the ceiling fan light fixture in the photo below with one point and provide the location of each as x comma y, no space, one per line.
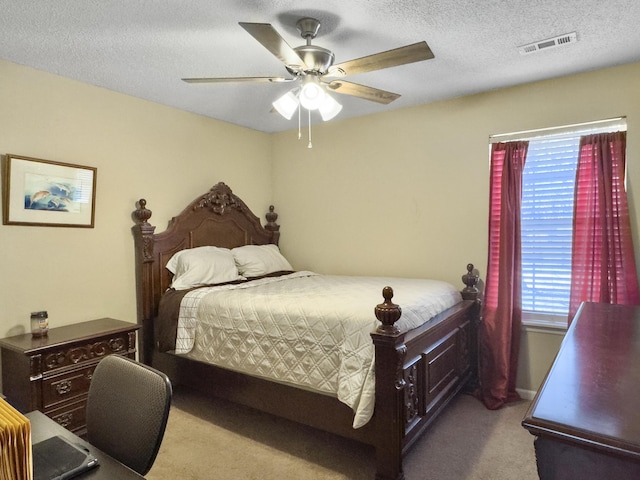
313,66
329,108
311,95
286,105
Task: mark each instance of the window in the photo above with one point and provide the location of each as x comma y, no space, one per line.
547,218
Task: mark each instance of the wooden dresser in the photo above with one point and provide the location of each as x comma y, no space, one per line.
586,416
52,373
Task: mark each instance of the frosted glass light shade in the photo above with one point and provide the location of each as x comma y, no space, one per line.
311,96
329,108
286,105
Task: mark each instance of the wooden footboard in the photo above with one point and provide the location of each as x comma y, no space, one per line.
417,372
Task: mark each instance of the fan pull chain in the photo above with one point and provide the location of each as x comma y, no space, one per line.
299,128
310,145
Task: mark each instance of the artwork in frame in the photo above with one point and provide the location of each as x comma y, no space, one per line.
45,193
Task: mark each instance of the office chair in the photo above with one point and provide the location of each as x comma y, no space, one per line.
127,411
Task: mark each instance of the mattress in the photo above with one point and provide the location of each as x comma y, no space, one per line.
304,329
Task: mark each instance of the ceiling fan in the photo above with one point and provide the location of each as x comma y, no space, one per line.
313,66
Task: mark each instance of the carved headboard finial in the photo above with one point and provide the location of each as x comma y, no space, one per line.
271,217
141,213
219,199
144,231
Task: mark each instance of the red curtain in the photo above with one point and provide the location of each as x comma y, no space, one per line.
502,315
603,262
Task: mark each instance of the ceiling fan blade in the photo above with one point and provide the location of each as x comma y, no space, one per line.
238,79
362,91
272,41
391,58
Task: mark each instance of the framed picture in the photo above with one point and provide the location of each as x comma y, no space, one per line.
45,193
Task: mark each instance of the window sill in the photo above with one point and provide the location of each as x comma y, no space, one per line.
545,322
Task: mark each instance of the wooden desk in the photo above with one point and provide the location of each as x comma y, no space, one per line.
42,427
586,415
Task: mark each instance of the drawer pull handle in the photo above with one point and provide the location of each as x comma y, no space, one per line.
116,344
63,387
64,419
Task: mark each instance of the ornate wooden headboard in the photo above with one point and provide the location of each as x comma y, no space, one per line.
217,218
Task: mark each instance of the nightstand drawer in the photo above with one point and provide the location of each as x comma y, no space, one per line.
65,387
82,352
72,416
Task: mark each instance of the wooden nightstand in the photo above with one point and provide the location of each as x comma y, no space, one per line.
52,374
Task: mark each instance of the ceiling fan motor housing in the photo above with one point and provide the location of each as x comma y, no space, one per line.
316,58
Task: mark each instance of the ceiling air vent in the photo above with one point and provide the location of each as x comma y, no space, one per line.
558,41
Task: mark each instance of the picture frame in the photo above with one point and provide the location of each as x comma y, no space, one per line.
40,192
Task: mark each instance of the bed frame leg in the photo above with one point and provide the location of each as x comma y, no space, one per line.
390,356
471,292
389,408
144,240
390,427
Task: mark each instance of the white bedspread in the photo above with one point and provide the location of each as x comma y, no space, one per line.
304,329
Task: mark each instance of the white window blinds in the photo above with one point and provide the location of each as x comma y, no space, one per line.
546,223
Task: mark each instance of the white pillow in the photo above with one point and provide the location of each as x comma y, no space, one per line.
199,266
256,260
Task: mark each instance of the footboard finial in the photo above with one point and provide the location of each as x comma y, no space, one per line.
470,279
388,313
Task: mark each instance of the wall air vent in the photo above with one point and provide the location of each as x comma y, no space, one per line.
558,41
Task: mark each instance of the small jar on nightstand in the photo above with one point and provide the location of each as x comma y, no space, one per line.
39,323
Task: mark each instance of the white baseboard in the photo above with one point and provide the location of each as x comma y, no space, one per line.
526,394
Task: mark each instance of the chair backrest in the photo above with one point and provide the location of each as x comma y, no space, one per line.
127,411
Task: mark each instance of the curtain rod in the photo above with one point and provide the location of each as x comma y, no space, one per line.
619,122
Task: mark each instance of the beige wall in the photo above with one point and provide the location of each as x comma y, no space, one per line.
398,193
140,149
406,192
538,348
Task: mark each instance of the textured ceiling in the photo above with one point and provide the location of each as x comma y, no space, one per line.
144,48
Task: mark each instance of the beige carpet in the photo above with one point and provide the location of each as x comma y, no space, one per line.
213,439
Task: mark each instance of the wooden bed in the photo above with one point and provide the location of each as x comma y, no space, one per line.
416,372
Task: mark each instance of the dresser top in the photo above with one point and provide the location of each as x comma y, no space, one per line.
59,336
590,395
